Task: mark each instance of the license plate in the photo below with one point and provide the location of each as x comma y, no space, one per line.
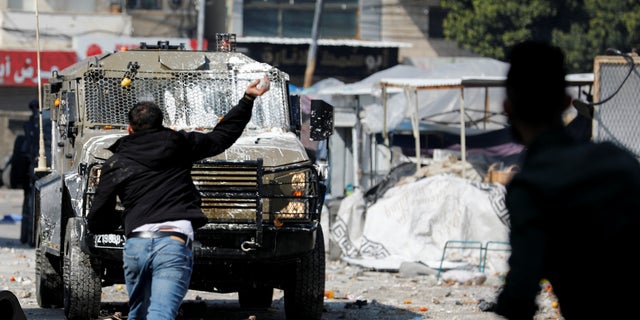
109,241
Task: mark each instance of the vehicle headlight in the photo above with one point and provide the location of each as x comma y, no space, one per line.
288,196
298,184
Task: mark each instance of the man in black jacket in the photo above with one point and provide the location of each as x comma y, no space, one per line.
150,172
574,207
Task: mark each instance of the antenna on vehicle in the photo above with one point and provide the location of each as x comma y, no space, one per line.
42,157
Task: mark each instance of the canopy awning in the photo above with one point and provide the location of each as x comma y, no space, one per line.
410,87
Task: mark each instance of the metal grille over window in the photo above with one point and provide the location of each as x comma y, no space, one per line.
190,99
226,42
616,120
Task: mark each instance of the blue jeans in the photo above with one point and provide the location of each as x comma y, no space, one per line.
157,272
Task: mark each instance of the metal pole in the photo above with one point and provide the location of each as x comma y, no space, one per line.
42,156
412,99
201,6
385,132
357,138
463,134
311,57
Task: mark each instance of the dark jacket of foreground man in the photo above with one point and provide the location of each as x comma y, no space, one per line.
581,238
161,159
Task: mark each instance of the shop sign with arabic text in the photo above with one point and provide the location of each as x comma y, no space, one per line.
19,68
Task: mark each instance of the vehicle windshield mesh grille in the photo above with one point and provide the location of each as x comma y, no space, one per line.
189,99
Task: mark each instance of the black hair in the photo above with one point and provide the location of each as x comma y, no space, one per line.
145,115
536,84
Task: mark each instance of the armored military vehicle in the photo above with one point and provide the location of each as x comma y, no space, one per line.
263,195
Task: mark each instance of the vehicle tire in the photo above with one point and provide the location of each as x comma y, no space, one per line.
48,278
304,296
82,282
256,298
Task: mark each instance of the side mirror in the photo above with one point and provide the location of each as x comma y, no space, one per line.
321,121
66,117
294,115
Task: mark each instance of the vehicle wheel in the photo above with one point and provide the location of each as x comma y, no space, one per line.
304,296
256,298
82,283
48,278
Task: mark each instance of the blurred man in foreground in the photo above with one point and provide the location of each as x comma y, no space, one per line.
574,207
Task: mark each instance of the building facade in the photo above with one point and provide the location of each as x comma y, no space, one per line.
356,38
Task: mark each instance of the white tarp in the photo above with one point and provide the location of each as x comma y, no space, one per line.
413,221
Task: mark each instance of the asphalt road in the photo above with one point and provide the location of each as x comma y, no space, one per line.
350,291
17,275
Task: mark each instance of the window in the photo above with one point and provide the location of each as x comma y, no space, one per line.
436,20
294,18
144,4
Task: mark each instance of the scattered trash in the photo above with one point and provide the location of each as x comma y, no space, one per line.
115,316
330,294
357,303
352,297
465,277
11,218
487,306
